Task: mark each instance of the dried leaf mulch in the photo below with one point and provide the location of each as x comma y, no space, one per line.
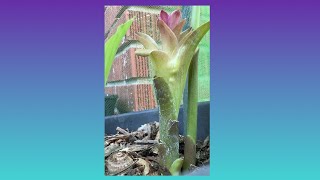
135,153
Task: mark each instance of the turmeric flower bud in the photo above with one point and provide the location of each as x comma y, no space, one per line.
171,58
176,49
172,19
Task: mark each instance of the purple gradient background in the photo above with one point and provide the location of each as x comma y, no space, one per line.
264,84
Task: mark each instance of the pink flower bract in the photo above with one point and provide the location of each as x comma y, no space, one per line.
171,20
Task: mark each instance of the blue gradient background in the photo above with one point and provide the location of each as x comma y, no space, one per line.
265,89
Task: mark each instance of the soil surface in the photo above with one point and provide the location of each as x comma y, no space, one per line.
135,153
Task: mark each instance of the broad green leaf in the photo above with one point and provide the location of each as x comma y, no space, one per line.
111,47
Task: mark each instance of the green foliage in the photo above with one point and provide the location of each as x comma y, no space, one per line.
111,47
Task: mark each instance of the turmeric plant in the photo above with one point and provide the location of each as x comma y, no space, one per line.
170,61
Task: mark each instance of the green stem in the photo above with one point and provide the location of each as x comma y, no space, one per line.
192,108
195,17
192,113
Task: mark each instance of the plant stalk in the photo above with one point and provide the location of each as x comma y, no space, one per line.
195,17
192,113
192,107
169,131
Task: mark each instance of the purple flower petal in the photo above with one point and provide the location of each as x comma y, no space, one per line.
164,16
174,19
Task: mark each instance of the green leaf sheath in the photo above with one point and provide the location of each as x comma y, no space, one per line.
169,132
111,47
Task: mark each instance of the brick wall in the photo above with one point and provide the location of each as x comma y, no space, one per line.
130,77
